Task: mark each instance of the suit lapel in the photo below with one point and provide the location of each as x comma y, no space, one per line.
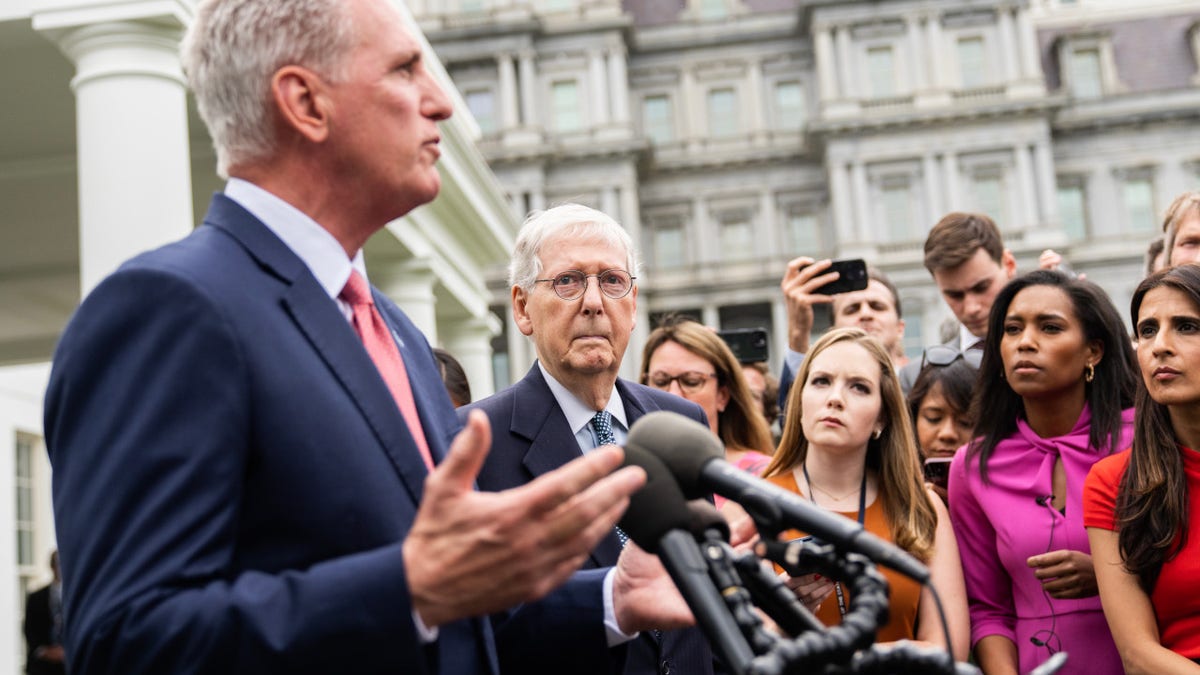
316,316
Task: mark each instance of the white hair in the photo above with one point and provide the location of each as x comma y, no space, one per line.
234,47
574,220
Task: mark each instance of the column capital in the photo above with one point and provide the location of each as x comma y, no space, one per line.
122,48
56,16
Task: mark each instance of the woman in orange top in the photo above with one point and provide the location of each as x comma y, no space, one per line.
848,447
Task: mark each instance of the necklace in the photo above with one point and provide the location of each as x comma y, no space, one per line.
862,514
827,493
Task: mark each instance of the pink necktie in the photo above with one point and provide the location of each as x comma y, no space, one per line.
383,351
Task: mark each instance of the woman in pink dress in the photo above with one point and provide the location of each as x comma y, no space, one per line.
1054,396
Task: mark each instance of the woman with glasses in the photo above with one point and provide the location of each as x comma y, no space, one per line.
940,405
1054,395
848,447
1142,506
690,360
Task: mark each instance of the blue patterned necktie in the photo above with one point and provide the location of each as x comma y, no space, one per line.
602,424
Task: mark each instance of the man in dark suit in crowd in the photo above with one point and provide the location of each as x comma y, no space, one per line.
44,627
244,433
574,292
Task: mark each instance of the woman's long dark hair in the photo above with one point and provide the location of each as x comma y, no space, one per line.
996,407
1152,500
957,380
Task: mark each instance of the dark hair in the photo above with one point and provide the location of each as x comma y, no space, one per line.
1152,501
770,400
956,237
1115,378
453,377
957,380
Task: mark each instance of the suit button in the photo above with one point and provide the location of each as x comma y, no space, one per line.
665,668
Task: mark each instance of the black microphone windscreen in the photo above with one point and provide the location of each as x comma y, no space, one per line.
658,507
682,444
706,517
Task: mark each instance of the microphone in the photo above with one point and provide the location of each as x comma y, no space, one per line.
659,520
695,456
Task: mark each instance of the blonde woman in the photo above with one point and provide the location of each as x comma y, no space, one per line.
848,447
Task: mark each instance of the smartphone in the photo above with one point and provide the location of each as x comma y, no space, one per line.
937,470
853,277
749,345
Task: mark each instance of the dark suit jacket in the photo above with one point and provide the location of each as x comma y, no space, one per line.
232,478
38,627
530,436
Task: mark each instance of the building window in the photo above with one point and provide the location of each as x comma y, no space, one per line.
803,234
737,237
24,494
881,72
989,196
897,210
668,246
656,119
712,9
722,113
972,63
482,105
789,106
1072,208
565,97
1086,75
1139,204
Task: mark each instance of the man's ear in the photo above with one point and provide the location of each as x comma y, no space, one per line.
1009,263
301,102
520,312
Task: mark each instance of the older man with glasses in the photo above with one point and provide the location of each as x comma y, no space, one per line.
573,292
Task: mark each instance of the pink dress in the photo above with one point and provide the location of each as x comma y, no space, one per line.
1001,524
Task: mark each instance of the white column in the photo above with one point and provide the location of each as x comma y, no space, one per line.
1104,212
918,55
618,85
410,285
710,315
1031,67
845,61
516,202
1008,46
508,91
1047,183
862,212
521,353
691,131
767,231
608,201
779,332
950,174
1170,180
827,78
135,185
599,87
705,239
843,211
470,341
933,196
1026,192
537,200
937,51
528,82
755,100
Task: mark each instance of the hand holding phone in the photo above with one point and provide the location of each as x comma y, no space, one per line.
852,276
937,471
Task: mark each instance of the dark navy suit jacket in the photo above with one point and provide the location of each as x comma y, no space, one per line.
232,478
565,632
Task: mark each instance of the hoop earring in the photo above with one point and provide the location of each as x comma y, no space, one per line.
1090,374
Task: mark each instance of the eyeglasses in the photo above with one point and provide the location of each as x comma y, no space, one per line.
572,284
691,381
941,355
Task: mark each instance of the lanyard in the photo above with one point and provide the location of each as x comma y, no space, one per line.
862,514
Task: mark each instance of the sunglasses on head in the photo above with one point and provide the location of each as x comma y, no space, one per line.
941,355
